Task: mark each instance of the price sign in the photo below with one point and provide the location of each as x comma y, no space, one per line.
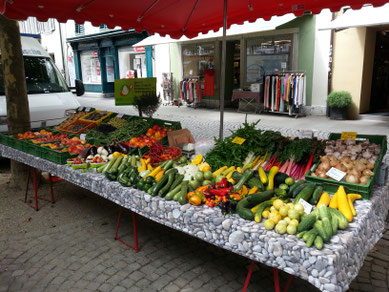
347,135
87,109
238,140
120,116
83,136
336,174
307,134
307,207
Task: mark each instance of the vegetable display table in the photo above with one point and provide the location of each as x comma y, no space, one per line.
330,269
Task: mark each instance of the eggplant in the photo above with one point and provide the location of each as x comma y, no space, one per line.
123,148
92,151
109,149
84,153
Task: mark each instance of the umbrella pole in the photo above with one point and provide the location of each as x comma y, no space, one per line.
223,71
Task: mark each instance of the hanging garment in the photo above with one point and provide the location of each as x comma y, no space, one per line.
278,93
266,92
198,91
209,82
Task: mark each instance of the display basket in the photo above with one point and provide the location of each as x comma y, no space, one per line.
86,118
86,125
331,185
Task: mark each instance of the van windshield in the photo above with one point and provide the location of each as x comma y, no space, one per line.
42,76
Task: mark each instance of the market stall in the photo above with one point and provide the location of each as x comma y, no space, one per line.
269,198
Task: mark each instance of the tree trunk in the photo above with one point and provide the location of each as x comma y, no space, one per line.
18,113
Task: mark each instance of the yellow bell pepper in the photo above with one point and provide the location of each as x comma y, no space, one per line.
253,190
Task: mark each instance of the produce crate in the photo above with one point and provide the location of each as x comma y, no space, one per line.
99,121
331,185
56,156
87,125
6,140
33,149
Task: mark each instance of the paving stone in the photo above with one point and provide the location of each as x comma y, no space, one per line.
105,287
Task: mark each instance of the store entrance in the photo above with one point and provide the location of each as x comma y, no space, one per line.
379,101
232,71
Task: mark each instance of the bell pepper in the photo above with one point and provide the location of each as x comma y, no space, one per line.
220,192
223,183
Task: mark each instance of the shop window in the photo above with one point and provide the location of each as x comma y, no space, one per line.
197,58
103,26
79,29
132,60
90,67
268,54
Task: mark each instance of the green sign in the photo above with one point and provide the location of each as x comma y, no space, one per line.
127,89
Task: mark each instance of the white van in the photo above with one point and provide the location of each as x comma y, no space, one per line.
49,97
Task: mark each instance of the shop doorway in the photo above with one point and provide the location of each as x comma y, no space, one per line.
232,71
379,101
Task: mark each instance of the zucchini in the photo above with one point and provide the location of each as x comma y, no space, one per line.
307,222
318,242
271,176
160,184
170,195
177,182
262,207
295,185
165,189
252,182
243,207
109,165
245,177
182,194
305,194
262,175
316,195
279,178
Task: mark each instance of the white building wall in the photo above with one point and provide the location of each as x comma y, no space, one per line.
321,61
161,64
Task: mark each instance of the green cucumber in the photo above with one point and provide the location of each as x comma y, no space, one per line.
311,238
295,185
301,234
316,195
327,227
307,222
305,194
334,224
320,229
109,165
165,189
177,181
318,242
160,184
256,198
243,207
342,220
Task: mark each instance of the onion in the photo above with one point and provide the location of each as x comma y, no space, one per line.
367,172
363,160
323,175
369,165
351,179
341,167
324,158
360,166
364,179
324,165
345,159
349,165
367,154
334,163
320,172
355,172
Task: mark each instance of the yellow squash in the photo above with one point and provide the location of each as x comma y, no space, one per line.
219,171
343,204
324,200
270,178
351,206
262,175
334,202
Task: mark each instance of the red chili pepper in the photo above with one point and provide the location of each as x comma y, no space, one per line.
224,183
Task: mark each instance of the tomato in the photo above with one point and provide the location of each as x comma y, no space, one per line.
133,140
155,127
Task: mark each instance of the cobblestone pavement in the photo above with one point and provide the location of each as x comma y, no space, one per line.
61,248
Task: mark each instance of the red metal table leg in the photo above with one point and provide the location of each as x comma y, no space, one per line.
246,283
36,186
277,282
288,283
135,247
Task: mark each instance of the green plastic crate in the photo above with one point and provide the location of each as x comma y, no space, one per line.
331,185
33,149
56,156
3,139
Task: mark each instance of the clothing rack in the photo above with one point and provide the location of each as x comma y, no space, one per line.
190,91
284,92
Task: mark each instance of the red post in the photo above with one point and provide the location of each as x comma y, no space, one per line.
135,247
276,280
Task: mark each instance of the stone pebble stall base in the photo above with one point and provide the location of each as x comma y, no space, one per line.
331,269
